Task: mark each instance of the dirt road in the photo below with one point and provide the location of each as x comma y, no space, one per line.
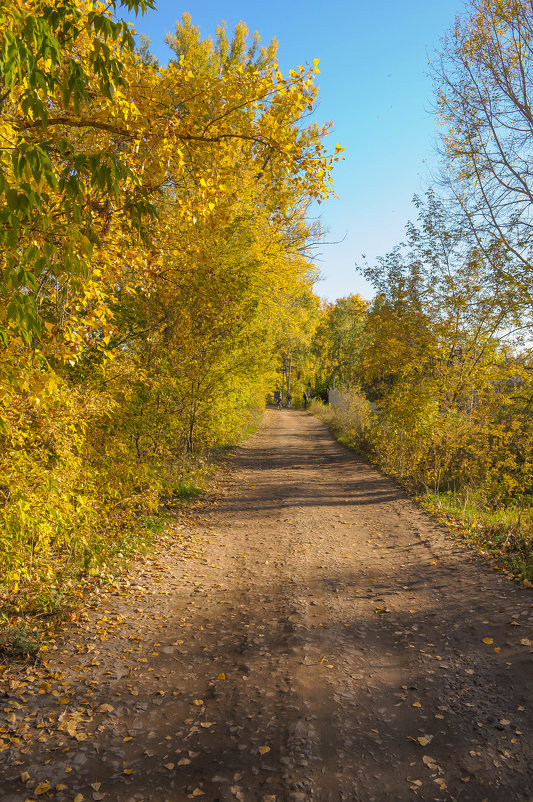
305,633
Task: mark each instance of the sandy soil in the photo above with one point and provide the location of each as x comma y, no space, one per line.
305,632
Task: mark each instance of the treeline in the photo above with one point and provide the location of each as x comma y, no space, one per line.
154,246
436,374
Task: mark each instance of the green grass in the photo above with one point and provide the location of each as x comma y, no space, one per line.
504,534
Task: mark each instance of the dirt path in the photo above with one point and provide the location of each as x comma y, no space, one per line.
306,633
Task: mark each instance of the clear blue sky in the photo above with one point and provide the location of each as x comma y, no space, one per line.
374,86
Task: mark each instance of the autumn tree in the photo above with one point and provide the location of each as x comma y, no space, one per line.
483,77
156,239
338,341
442,356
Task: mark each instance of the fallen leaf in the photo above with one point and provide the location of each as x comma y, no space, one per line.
128,771
206,724
264,749
504,722
105,708
169,766
424,740
221,676
525,642
488,641
184,761
198,702
79,798
24,776
416,704
42,788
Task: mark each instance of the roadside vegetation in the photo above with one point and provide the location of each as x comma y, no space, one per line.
436,374
154,247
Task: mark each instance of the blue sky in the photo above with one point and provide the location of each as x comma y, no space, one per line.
374,86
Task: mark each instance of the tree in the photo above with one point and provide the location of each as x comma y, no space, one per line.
338,342
484,79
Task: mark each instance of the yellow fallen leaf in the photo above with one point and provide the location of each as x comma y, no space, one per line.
206,724
126,739
105,708
198,702
169,766
416,704
128,771
197,792
24,776
504,722
96,786
221,676
525,642
61,787
42,788
424,740
264,749
79,798
63,701
497,649
488,641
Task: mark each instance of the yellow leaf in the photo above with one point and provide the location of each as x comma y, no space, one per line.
264,749
206,724
525,642
105,708
79,798
497,649
63,701
24,776
128,771
488,641
42,788
221,676
198,702
416,704
169,766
